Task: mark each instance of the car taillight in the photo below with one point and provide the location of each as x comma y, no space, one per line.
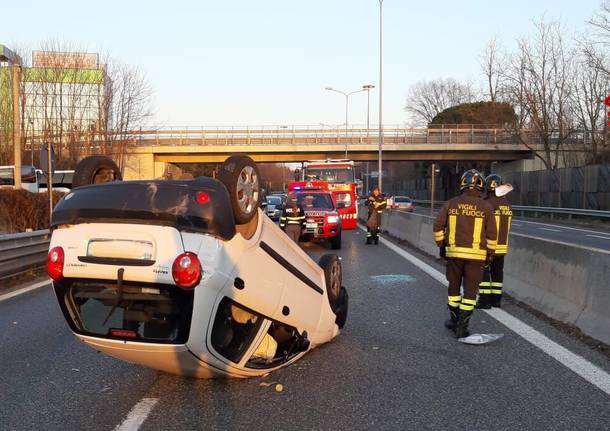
186,270
55,263
202,198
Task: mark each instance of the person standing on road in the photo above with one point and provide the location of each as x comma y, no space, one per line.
376,203
292,219
465,232
490,289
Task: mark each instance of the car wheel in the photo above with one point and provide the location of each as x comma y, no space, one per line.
331,265
241,177
95,170
335,243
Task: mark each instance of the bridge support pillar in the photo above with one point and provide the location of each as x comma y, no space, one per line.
143,167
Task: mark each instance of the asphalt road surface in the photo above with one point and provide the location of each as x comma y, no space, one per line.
589,237
393,367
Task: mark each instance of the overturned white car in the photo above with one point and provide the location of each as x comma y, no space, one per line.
189,277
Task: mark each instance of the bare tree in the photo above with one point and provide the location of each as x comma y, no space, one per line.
493,62
591,85
127,106
597,43
540,84
426,99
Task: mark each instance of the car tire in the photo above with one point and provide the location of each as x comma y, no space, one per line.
240,176
95,170
342,307
335,243
331,265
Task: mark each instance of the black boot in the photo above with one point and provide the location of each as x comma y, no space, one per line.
376,239
495,300
461,328
454,314
369,240
484,301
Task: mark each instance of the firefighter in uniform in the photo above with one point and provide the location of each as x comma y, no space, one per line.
376,203
490,289
465,231
292,219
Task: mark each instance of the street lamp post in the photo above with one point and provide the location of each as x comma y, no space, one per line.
368,88
380,92
346,109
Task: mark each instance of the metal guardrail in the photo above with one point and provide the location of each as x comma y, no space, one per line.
547,210
20,252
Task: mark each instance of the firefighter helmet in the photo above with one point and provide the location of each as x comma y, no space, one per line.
472,179
492,181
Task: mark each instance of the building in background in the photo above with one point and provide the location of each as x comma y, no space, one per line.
65,99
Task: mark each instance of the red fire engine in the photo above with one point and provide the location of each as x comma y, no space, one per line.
341,180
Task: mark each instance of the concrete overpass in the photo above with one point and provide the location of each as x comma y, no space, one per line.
149,152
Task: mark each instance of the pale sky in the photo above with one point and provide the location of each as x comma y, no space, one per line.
246,62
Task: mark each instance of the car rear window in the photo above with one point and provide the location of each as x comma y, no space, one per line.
153,313
402,200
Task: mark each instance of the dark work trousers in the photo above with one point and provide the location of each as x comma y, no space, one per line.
293,231
374,232
494,275
468,273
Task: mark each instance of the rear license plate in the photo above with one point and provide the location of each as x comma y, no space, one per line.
120,248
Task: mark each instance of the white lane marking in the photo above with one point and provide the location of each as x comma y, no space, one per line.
137,415
548,229
24,290
562,227
585,369
598,236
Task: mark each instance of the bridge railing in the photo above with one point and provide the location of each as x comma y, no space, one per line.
303,135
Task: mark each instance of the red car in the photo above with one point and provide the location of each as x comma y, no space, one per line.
322,221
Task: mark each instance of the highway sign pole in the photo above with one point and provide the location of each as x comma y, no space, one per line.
607,123
17,125
432,186
379,180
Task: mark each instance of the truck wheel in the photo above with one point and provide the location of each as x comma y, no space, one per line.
95,170
240,176
335,243
341,310
331,265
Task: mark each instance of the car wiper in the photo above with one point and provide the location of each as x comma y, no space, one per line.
119,296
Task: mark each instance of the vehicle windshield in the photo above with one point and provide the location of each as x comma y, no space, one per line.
402,199
339,174
7,175
315,200
274,200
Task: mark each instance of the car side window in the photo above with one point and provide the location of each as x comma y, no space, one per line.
234,329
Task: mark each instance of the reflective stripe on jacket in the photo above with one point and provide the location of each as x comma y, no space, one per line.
503,213
466,226
292,216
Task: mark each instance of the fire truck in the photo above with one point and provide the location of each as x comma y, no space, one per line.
322,220
340,177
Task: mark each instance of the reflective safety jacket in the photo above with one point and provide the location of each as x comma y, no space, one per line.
466,227
503,214
377,203
292,216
